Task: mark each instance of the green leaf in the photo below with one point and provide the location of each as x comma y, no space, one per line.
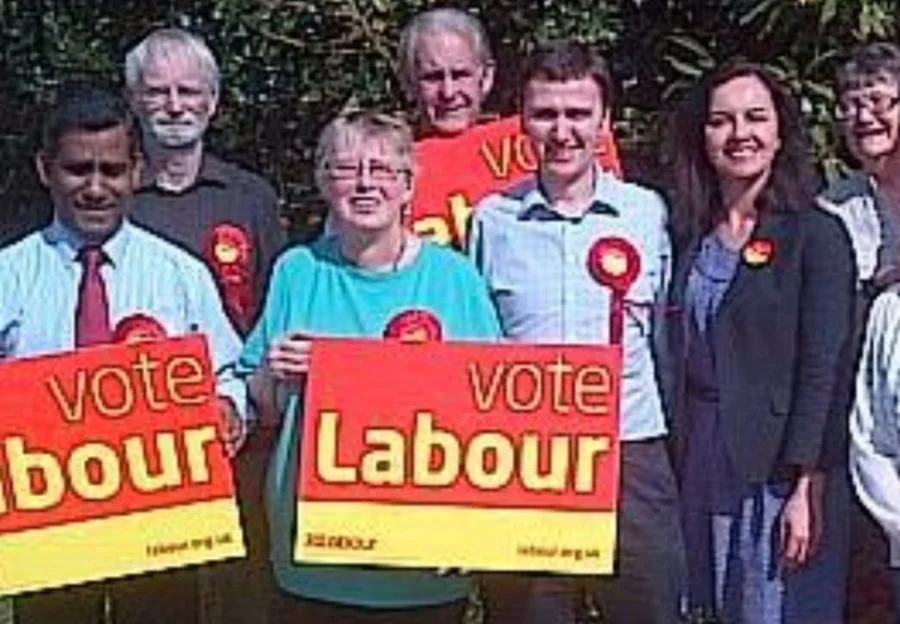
683,67
829,10
822,90
760,8
691,45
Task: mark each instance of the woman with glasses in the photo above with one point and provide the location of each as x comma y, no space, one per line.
353,282
868,88
763,292
868,201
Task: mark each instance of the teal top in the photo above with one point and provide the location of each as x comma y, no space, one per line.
314,290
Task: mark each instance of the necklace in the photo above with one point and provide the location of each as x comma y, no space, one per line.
392,267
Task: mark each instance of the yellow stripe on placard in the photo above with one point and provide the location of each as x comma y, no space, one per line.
573,542
120,545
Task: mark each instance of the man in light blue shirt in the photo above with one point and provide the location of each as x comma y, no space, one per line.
76,281
532,244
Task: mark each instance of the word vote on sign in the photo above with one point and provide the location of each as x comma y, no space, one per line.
111,464
455,173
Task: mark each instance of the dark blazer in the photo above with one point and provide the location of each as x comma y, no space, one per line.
780,337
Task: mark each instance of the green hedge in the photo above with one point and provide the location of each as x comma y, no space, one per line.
289,64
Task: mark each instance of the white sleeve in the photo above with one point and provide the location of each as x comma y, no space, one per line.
874,444
665,255
209,317
10,308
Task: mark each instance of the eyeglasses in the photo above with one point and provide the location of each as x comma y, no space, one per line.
160,94
876,103
379,172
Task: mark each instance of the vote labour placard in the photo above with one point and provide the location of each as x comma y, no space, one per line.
111,464
456,172
491,457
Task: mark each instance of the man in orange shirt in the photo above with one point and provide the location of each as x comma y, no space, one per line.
447,70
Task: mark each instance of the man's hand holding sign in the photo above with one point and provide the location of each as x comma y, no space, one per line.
111,462
117,467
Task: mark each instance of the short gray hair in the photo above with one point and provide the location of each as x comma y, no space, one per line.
365,125
869,62
168,42
440,20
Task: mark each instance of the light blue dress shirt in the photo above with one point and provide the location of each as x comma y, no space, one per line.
39,279
535,263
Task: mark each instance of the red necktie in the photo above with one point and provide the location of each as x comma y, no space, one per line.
92,309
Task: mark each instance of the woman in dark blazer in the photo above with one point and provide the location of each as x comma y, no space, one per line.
762,291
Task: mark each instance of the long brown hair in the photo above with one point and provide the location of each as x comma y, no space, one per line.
693,185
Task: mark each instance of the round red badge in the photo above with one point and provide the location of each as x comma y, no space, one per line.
414,326
614,262
228,244
758,252
138,328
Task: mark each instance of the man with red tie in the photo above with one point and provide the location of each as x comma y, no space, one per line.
91,276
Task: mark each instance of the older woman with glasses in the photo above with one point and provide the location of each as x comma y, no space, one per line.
868,201
352,282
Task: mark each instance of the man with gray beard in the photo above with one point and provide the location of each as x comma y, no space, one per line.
217,210
228,217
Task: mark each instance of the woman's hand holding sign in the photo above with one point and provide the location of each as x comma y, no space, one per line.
288,358
284,368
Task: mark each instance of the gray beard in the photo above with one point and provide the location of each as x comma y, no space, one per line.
175,136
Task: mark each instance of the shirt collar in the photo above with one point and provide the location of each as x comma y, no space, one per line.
536,206
68,242
212,171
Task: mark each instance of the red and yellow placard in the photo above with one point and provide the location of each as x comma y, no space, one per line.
491,457
456,172
111,464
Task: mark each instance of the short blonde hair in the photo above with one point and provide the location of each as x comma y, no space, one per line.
365,125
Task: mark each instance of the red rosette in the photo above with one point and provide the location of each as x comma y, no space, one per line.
138,328
228,252
614,262
228,244
758,252
414,326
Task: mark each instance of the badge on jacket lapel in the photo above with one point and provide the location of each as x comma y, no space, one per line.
759,252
